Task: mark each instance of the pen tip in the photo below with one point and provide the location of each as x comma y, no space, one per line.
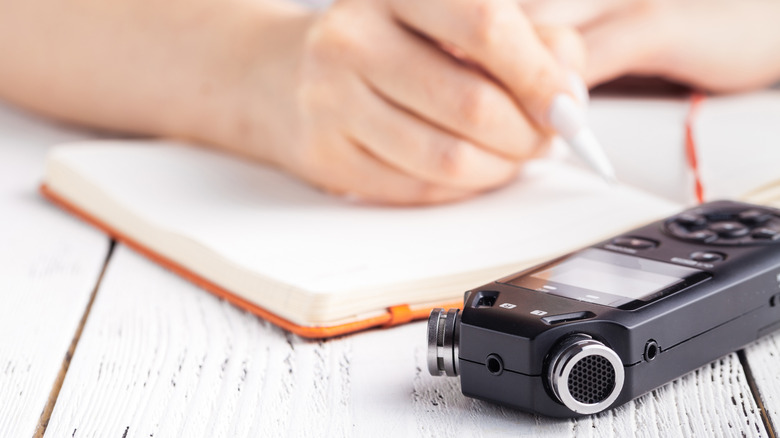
610,179
589,149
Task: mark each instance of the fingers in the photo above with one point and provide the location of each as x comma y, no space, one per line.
416,123
620,36
575,13
330,156
497,36
566,45
425,151
360,176
344,167
449,95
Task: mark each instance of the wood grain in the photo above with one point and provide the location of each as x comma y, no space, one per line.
763,357
49,264
160,357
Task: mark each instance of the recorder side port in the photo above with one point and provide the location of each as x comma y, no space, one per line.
485,298
651,350
494,364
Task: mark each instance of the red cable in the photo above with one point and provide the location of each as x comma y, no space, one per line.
690,145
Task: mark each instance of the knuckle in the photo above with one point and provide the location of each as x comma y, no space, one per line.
487,22
331,39
446,157
475,106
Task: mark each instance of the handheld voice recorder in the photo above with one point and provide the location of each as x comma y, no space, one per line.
600,326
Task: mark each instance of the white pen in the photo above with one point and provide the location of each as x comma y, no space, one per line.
568,119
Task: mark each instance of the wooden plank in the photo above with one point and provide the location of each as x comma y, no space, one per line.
763,359
49,264
160,357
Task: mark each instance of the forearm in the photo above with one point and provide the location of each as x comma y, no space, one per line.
735,50
715,45
172,68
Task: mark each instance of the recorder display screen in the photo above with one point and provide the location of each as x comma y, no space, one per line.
604,277
608,278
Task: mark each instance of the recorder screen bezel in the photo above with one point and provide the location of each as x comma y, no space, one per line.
616,266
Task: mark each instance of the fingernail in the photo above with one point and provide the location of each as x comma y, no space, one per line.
566,116
578,87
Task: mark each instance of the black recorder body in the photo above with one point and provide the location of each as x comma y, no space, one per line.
603,325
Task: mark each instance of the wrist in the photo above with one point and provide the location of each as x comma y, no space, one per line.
742,59
247,106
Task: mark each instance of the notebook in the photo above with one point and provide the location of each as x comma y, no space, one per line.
322,266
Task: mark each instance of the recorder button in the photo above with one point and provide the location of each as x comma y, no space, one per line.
634,243
766,234
754,217
703,236
707,257
690,220
720,215
729,229
567,317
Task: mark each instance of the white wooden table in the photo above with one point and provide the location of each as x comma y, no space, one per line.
99,342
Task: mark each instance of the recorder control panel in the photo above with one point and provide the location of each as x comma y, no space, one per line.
595,328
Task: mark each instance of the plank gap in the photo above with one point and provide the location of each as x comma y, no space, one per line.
756,395
43,422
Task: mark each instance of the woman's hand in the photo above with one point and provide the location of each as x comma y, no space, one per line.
393,101
717,45
412,102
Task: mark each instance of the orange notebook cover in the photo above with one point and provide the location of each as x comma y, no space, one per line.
395,315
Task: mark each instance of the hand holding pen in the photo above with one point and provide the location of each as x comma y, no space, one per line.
413,102
389,101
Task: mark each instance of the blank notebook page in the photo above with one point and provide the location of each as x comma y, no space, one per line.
311,257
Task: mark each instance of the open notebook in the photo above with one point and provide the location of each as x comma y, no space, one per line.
322,266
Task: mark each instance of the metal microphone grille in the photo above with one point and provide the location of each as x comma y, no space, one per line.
585,375
592,380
